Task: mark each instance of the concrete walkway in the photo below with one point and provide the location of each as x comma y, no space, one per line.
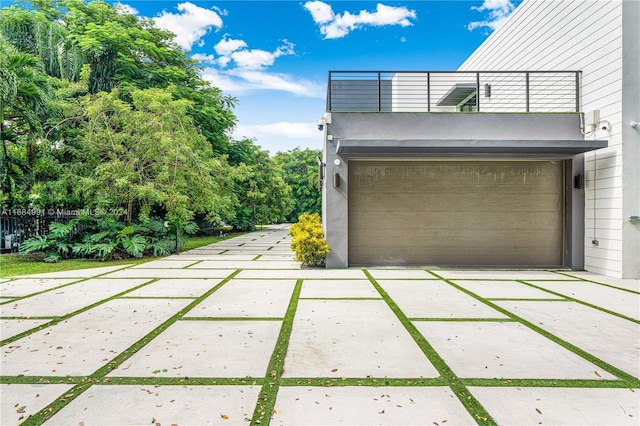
236,333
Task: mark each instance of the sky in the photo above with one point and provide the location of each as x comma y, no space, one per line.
274,56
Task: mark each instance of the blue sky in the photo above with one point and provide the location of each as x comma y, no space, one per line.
274,56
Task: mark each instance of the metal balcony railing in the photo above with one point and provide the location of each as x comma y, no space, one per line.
453,91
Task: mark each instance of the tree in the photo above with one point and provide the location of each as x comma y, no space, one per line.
300,172
263,195
23,93
149,158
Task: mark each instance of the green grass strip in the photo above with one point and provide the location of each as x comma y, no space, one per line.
581,302
632,381
257,257
358,381
29,318
47,412
475,409
269,392
546,383
166,381
72,314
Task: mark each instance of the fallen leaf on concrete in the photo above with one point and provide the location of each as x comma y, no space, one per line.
334,370
21,409
539,412
224,416
597,374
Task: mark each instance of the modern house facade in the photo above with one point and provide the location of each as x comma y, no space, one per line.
524,157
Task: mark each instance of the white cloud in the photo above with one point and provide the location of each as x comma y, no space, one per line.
226,46
283,129
126,8
205,59
321,12
239,81
340,25
281,136
190,25
497,12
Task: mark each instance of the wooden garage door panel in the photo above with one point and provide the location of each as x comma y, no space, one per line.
455,213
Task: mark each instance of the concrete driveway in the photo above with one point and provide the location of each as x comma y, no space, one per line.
236,333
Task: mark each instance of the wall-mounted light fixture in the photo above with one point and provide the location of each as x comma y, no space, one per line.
578,182
487,90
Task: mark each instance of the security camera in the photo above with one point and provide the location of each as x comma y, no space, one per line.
321,122
605,126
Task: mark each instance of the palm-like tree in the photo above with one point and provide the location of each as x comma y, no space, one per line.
23,87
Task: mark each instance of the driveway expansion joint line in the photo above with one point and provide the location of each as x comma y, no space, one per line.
631,381
469,402
267,397
573,299
52,408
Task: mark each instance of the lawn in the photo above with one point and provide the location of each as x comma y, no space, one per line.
15,264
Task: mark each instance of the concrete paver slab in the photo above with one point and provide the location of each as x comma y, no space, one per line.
68,299
401,274
18,402
337,338
435,299
504,350
165,405
369,406
560,406
499,275
82,344
303,274
197,257
165,264
13,327
26,286
628,283
80,273
610,338
247,298
176,288
245,264
622,302
338,288
206,349
504,290
275,257
170,273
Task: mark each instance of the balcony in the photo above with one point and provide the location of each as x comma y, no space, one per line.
454,91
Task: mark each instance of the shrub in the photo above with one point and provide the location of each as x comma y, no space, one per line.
106,238
308,240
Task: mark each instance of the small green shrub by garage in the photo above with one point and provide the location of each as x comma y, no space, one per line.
308,240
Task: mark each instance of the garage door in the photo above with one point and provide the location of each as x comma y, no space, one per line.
485,213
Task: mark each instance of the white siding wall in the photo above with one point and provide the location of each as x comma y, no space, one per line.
586,36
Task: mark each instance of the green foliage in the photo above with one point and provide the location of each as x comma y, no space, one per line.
106,238
308,241
263,195
300,172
